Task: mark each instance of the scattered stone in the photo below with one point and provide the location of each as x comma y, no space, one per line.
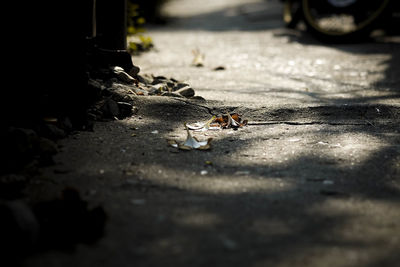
186,91
123,92
122,75
135,110
172,94
158,88
110,108
154,90
125,109
118,89
145,79
198,98
179,86
219,68
159,79
134,71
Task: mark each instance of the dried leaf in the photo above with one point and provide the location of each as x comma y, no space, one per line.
191,142
204,126
230,121
198,60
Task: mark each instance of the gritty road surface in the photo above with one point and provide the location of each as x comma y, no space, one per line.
313,180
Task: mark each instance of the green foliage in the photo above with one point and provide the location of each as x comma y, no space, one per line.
149,9
138,42
135,19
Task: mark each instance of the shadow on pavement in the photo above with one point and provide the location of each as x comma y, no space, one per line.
266,16
301,188
250,209
246,212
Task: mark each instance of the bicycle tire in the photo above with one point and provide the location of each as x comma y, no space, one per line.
361,33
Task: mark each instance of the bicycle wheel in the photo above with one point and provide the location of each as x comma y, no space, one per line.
341,21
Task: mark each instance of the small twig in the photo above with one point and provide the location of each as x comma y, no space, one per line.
370,123
257,123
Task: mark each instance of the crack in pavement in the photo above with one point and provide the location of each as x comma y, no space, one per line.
260,123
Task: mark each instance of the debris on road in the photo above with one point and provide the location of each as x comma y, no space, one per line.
204,126
116,90
122,75
226,121
203,172
222,122
219,68
198,60
191,143
231,121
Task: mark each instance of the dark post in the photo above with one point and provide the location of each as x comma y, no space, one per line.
110,29
90,22
111,24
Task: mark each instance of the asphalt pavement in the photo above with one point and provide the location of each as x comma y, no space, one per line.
312,180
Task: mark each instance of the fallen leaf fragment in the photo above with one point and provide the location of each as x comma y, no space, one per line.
230,121
198,60
203,126
191,142
173,143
